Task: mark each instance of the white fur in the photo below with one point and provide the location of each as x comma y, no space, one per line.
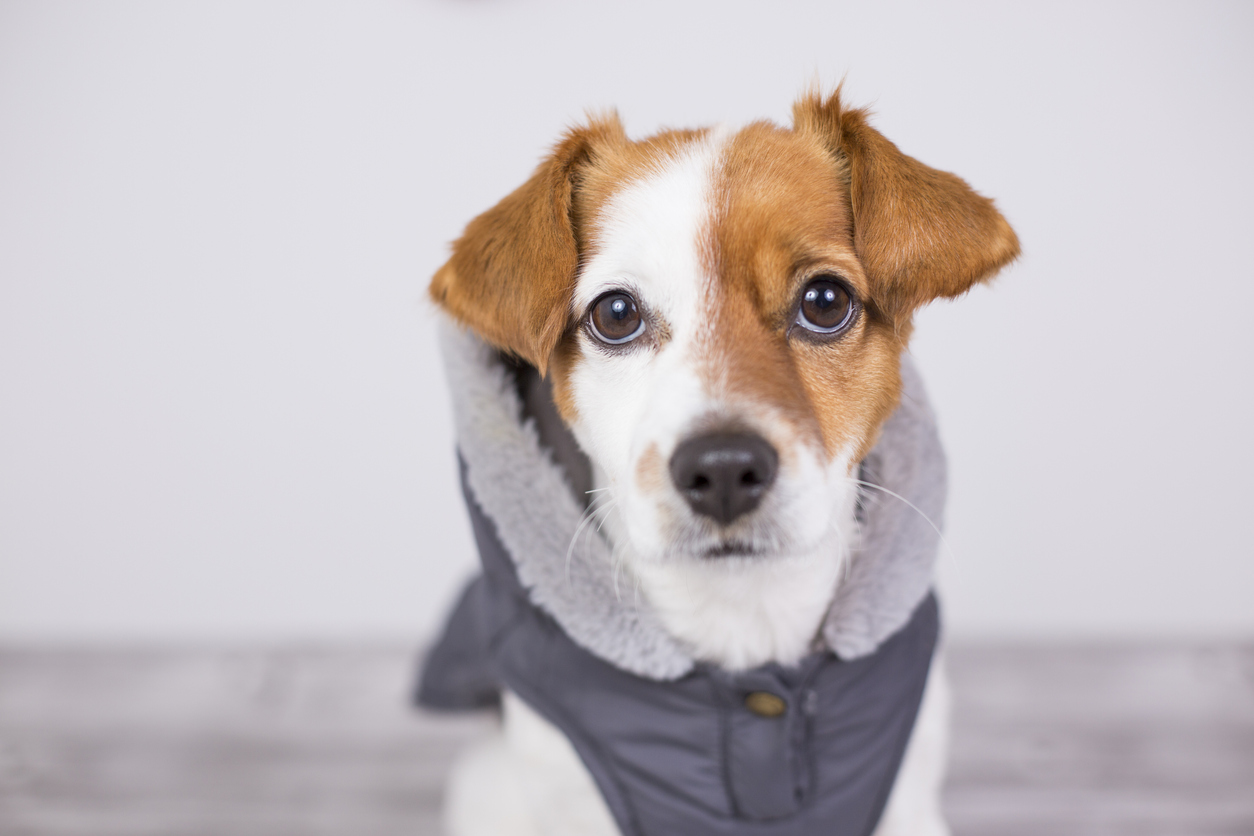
737,612
914,806
527,781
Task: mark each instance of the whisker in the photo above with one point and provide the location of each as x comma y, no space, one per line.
585,518
616,557
842,569
607,507
944,542
852,541
616,561
604,510
604,507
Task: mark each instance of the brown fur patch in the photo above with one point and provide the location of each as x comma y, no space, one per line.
920,233
651,473
833,196
830,196
782,218
512,272
561,364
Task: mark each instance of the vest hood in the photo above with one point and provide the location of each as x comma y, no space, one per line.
536,513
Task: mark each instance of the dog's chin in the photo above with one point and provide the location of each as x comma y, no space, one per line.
742,595
765,537
737,605
738,549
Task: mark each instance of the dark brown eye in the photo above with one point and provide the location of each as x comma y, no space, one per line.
615,319
825,307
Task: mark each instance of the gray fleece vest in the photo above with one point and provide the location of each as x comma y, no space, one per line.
676,746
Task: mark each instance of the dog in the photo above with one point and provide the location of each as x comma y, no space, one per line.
717,317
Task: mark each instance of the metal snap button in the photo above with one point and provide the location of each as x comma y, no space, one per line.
765,704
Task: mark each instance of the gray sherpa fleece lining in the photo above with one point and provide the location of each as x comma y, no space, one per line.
526,495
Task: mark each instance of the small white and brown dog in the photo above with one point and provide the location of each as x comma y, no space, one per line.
721,315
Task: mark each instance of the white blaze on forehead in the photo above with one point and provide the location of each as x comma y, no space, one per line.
649,234
647,241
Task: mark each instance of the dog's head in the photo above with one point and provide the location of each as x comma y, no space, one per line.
722,314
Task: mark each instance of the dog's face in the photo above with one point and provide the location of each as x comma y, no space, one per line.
722,315
726,372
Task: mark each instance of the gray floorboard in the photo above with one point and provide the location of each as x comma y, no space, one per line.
1075,740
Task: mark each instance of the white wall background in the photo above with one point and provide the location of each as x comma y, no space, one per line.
221,412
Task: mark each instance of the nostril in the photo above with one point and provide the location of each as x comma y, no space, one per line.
724,475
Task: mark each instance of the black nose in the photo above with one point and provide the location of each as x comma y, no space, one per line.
724,475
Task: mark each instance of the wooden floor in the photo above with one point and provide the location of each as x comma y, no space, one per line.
1048,740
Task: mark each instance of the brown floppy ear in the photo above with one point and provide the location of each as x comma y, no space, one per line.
920,233
512,271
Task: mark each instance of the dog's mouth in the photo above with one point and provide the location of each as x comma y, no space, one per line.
745,542
732,548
